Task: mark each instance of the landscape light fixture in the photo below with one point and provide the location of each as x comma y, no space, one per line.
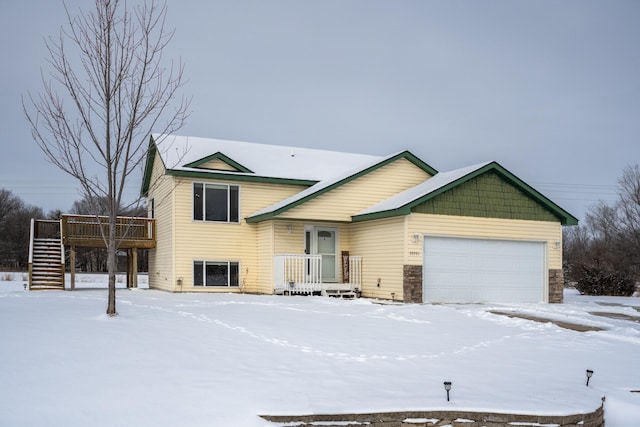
447,386
589,373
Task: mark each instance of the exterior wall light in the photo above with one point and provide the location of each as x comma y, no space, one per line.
589,374
447,387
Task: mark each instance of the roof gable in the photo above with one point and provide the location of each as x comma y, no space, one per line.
489,196
524,202
328,185
218,161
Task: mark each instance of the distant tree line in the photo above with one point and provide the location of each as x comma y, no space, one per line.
15,227
602,256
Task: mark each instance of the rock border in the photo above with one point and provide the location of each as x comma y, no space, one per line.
440,418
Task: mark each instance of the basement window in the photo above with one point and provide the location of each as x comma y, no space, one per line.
216,273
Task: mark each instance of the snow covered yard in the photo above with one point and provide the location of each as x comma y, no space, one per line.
220,360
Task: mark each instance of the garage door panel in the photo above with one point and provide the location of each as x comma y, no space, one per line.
482,270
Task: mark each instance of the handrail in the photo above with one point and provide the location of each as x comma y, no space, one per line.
32,237
88,230
62,247
302,273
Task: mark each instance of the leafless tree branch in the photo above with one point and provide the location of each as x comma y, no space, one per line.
107,89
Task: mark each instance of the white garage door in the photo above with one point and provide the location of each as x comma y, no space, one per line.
483,270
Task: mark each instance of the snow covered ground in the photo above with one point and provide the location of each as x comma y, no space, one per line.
219,360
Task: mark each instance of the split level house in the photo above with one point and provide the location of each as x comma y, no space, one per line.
243,217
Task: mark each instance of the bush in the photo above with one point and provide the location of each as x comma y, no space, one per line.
596,280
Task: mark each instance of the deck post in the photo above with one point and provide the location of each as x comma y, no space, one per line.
72,267
132,268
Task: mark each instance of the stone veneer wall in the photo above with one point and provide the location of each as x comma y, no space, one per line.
556,286
442,418
412,283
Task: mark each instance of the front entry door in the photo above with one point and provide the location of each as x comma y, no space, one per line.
323,241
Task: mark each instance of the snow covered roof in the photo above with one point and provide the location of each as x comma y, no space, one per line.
319,170
180,153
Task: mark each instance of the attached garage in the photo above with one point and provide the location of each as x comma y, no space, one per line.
472,235
465,270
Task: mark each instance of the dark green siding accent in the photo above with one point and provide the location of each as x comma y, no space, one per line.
489,196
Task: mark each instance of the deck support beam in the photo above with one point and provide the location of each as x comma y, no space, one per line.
132,268
72,266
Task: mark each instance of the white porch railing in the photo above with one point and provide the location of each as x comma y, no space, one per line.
301,274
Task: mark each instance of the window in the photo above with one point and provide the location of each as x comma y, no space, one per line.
216,273
216,202
152,208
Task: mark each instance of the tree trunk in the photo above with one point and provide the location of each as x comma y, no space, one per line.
111,266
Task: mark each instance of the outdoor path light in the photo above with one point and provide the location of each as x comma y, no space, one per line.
447,386
589,373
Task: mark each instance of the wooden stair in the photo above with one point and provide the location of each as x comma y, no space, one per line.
47,268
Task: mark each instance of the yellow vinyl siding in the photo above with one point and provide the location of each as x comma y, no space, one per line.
288,237
264,283
381,243
487,228
214,241
348,199
217,164
161,257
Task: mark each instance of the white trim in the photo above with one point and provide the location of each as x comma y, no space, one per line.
313,230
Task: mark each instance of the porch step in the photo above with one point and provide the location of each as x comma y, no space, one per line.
47,271
336,293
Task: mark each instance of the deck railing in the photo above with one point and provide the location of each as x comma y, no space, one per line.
355,272
87,230
44,229
297,273
301,274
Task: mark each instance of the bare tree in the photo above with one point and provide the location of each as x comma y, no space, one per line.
15,219
629,201
609,242
108,64
629,208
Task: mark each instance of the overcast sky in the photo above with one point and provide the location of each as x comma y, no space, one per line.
549,89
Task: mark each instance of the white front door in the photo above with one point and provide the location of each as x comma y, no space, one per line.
323,241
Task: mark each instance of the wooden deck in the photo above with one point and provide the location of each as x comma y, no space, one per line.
87,231
50,237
